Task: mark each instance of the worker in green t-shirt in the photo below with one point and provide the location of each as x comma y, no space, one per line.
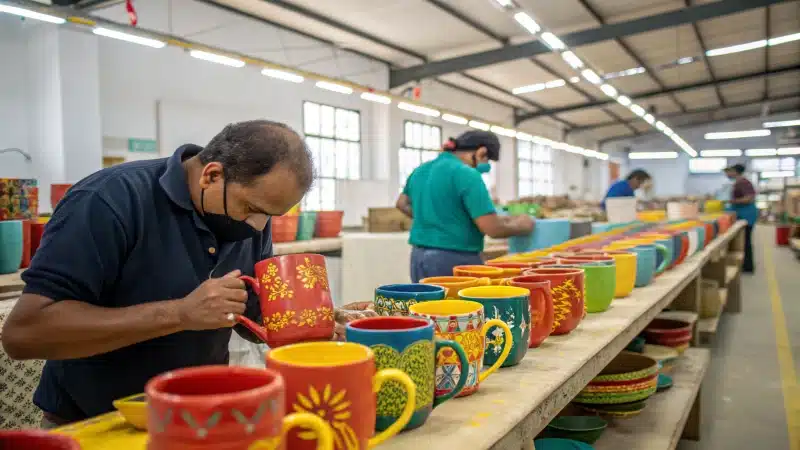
452,209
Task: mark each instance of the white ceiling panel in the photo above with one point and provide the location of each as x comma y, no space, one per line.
738,63
587,116
698,98
734,29
665,45
610,131
560,17
743,91
623,10
555,98
783,55
512,74
785,18
634,84
489,14
685,74
606,56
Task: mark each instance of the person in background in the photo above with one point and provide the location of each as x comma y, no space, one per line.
627,188
743,202
138,270
452,209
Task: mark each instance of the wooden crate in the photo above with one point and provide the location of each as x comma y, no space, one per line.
387,220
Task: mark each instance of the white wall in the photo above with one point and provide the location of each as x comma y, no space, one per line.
14,120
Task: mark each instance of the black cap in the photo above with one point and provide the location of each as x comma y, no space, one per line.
738,168
475,139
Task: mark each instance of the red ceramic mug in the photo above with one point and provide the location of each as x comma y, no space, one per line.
541,302
295,297
36,440
223,408
567,289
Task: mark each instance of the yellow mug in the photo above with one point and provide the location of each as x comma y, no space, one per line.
626,272
452,285
462,321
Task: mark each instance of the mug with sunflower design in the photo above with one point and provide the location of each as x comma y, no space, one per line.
338,382
462,321
296,303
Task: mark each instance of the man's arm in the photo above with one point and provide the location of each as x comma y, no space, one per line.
404,205
479,205
499,227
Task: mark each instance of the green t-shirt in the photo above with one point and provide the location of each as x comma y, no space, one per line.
446,196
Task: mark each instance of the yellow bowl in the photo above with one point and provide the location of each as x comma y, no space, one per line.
134,409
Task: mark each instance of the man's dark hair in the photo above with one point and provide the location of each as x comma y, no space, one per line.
638,174
252,148
738,168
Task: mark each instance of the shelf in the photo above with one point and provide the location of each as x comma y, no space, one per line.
661,424
685,316
11,282
708,327
731,272
323,245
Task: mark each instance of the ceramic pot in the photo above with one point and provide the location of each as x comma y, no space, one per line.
225,408
668,332
600,282
546,233
660,239
495,274
407,344
464,322
284,228
629,377
541,306
646,257
26,243
626,270
567,290
329,224
306,224
511,305
452,285
295,297
395,299
338,382
37,230
36,440
57,192
11,243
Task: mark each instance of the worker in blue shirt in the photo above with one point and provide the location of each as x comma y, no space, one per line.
138,269
627,187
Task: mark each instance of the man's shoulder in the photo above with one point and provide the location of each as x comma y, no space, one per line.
137,177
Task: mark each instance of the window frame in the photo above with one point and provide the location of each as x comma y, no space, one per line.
533,183
421,151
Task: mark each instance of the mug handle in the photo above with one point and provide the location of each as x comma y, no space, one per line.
462,380
548,296
666,255
411,395
255,328
312,423
506,348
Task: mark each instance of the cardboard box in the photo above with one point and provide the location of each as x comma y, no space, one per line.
387,220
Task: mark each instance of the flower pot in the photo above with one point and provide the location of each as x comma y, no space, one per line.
306,225
329,224
57,192
284,229
11,237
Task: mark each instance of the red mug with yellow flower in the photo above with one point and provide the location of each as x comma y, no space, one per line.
295,297
338,381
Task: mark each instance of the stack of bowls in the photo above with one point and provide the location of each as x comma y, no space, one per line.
669,333
622,388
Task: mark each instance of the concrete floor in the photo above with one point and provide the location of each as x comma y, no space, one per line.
743,399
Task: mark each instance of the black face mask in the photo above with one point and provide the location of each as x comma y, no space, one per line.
222,225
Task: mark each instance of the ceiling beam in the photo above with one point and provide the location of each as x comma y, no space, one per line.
670,19
685,87
706,62
692,111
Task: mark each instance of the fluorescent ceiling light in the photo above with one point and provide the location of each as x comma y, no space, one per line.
372,97
737,134
215,58
778,174
782,123
591,76
527,22
683,145
418,109
638,110
685,60
552,41
572,59
334,87
660,125
623,100
505,3
282,75
737,48
522,136
726,153
784,39
31,14
454,119
761,152
479,125
789,151
609,90
653,155
625,73
128,37
575,79
503,131
554,84
649,118
668,131
529,88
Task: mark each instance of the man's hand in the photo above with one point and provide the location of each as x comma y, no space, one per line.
523,223
213,303
349,313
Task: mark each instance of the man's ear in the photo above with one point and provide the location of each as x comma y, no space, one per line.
212,172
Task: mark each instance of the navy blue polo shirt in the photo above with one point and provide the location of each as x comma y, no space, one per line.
124,236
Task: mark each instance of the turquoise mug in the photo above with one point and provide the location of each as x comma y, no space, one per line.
394,299
11,243
647,266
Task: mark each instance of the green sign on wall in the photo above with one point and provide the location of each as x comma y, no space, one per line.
142,145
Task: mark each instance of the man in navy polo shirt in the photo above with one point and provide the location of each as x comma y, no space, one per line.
137,272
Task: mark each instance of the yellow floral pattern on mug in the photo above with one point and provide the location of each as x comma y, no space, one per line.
325,313
308,317
335,408
278,289
279,320
311,274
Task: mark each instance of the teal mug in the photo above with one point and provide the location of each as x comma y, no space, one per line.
394,299
11,243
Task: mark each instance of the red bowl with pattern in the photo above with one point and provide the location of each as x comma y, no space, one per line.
36,440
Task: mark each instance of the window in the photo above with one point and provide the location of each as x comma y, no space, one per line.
535,163
421,143
707,165
333,136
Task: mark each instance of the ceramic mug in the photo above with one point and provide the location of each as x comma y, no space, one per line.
600,282
36,440
338,382
626,271
407,344
464,322
646,268
395,299
11,237
495,274
223,408
661,239
541,304
295,299
567,289
452,285
512,305
511,269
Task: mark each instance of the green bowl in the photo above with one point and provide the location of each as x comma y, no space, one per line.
605,398
579,428
636,345
628,366
664,382
560,444
618,410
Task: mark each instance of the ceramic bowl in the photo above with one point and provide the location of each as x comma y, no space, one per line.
664,382
560,444
580,428
637,345
134,410
628,366
618,410
666,356
668,332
